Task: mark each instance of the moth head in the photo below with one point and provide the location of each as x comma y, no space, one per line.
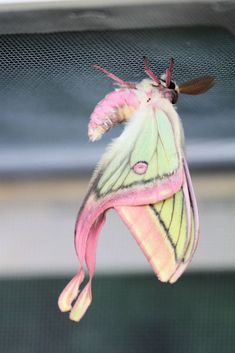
166,86
171,90
102,119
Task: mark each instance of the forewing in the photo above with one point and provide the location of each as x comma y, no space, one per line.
149,140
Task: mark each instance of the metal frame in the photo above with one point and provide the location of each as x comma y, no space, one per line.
53,16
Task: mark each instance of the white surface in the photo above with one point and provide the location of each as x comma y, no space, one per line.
36,4
72,157
37,223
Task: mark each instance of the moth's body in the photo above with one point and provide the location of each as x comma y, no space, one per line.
119,106
157,92
146,108
144,176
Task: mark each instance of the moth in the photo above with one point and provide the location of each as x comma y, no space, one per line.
144,176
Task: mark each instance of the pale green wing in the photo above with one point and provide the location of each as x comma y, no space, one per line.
172,215
148,141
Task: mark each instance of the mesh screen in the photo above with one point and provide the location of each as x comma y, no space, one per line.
49,88
129,314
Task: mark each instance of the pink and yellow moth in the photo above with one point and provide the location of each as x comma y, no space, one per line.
144,176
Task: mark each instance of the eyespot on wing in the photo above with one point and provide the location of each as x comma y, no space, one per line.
140,167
